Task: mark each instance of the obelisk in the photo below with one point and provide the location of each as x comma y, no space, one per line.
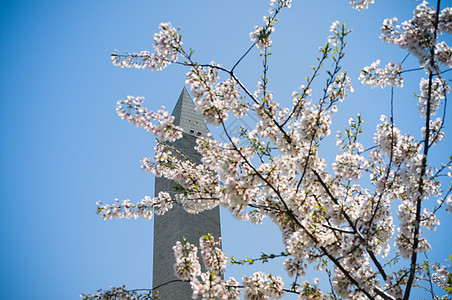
177,223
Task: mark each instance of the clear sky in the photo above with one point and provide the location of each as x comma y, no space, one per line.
64,148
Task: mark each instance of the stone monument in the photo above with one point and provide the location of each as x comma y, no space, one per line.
177,223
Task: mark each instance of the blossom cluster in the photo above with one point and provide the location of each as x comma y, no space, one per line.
403,180
361,4
167,45
308,291
261,34
200,184
214,100
119,293
263,286
432,94
282,3
443,54
337,90
336,30
374,76
445,20
348,166
210,284
214,259
441,276
436,133
449,204
187,264
420,34
130,109
127,210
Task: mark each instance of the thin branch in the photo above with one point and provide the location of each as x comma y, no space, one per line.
405,58
429,276
353,226
423,167
243,56
411,70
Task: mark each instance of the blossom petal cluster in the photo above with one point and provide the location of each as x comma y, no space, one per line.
167,45
263,286
432,96
261,34
336,30
443,53
374,76
201,185
214,259
348,166
337,90
361,4
187,264
125,209
119,293
210,284
215,99
131,109
442,277
420,34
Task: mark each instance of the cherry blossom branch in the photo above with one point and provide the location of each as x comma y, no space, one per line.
292,216
353,226
424,164
443,120
338,37
429,275
331,283
264,258
309,82
391,154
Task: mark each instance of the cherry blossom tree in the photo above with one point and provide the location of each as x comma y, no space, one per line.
345,218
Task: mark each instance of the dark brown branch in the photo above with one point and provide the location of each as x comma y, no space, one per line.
353,226
424,165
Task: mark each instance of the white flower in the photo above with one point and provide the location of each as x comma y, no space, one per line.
449,204
187,264
374,76
361,4
439,89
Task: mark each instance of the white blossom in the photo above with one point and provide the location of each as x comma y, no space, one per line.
445,20
361,4
130,109
167,44
443,54
375,76
214,259
187,265
416,35
449,204
263,286
438,91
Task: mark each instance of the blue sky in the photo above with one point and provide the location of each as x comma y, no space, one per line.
64,148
